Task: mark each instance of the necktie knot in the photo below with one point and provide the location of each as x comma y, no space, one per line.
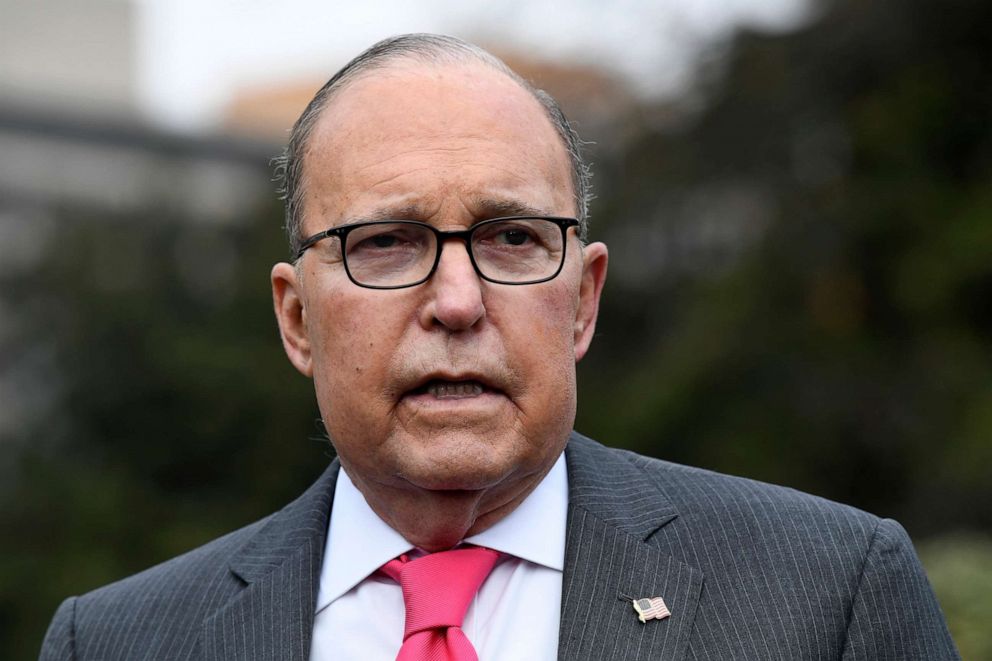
437,591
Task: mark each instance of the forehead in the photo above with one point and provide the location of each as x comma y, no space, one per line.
433,136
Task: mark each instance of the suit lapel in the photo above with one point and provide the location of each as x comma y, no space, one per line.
614,509
272,618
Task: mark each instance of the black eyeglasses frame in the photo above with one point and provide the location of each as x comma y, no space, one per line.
342,232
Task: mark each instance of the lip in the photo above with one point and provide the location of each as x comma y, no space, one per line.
419,393
420,384
485,404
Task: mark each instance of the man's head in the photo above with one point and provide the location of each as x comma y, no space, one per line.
426,49
447,401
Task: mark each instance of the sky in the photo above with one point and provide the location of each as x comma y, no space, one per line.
194,54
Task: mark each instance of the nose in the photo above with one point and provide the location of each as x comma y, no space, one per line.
455,290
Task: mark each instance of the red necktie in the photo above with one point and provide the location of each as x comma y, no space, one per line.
437,590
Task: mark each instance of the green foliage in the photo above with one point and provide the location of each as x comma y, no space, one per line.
838,340
175,416
960,569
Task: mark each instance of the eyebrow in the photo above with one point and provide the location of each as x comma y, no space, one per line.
485,209
405,212
493,208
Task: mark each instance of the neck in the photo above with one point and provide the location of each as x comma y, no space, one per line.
439,520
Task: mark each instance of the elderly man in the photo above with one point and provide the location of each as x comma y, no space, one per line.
440,297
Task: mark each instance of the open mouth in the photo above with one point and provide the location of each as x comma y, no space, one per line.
441,389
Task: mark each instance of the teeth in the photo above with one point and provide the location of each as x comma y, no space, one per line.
449,390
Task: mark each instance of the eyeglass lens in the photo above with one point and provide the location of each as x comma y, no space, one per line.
397,254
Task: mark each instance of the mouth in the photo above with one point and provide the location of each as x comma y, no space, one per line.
442,389
452,388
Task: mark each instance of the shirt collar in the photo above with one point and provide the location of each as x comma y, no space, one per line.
534,531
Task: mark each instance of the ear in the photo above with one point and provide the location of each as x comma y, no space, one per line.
287,297
594,260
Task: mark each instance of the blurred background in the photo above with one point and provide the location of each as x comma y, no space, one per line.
797,195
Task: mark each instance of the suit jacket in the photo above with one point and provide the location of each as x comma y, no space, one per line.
748,570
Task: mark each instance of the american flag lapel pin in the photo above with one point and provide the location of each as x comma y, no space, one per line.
650,608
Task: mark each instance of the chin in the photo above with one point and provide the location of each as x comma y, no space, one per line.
461,466
467,478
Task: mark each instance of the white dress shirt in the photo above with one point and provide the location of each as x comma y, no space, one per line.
515,614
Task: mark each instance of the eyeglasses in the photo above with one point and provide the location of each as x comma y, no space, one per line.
392,254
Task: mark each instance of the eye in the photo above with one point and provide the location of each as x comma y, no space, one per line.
514,236
383,240
386,237
510,234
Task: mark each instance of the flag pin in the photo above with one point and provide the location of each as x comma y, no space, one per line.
650,608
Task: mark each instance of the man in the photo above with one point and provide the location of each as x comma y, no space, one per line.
440,298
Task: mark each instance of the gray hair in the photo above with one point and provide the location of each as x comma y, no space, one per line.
434,49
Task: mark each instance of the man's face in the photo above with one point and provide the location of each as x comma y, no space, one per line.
457,390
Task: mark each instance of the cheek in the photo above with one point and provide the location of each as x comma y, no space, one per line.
347,347
547,341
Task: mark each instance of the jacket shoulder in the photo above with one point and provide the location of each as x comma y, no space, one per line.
159,608
812,577
180,573
160,611
717,515
702,492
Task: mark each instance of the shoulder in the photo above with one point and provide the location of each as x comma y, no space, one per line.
719,513
181,574
803,570
162,609
853,575
701,490
164,603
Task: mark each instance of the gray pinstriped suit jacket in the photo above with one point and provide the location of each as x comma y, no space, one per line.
749,571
